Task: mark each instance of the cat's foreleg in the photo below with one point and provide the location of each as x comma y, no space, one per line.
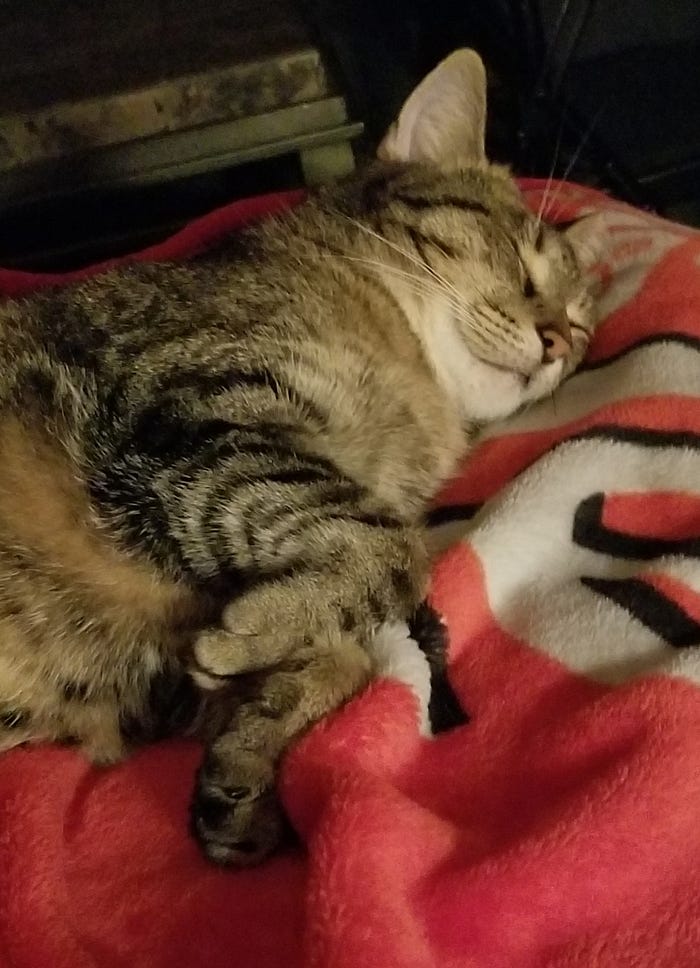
352,571
236,814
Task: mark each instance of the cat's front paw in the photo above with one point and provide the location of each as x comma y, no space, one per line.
236,816
218,654
258,630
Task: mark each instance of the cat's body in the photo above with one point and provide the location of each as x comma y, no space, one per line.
223,465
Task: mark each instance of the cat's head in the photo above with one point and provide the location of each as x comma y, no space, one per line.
491,286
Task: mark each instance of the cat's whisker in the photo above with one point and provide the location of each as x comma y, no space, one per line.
420,286
498,322
575,157
426,286
478,324
423,266
548,184
463,310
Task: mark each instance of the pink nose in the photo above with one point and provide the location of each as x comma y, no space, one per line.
556,341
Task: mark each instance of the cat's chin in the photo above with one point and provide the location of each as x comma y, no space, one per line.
523,377
492,392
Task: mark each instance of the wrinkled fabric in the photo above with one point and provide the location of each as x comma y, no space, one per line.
560,827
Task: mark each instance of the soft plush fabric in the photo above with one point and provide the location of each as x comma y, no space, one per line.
561,826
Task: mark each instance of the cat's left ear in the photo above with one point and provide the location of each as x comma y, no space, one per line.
586,236
443,121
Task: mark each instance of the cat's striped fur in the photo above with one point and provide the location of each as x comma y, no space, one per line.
223,465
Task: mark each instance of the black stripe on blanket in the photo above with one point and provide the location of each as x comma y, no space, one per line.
650,607
590,532
640,436
428,630
634,435
450,513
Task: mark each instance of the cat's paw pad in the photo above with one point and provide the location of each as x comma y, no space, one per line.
236,816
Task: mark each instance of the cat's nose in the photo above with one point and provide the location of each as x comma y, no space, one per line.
556,340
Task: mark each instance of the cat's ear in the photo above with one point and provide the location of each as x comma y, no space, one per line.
444,119
586,235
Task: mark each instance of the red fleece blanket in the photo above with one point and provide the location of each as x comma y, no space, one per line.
561,826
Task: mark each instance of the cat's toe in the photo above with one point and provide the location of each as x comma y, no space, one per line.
248,644
236,816
217,654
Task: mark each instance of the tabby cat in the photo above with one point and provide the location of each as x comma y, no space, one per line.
221,467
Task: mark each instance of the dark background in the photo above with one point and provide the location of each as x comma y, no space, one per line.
606,92
621,76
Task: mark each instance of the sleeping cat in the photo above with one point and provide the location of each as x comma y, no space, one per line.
223,465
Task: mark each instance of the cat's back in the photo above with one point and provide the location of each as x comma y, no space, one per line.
284,304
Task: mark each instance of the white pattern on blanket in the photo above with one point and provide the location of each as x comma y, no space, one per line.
588,528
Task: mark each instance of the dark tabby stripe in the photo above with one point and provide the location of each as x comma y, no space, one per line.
74,691
205,381
419,203
421,241
13,718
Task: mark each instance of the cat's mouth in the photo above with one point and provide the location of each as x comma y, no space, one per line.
524,376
